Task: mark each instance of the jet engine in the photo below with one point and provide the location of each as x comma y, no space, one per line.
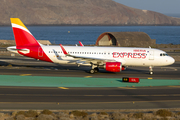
112,66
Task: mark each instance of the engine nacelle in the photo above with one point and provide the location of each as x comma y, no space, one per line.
112,66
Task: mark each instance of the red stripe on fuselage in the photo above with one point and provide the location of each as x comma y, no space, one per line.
25,40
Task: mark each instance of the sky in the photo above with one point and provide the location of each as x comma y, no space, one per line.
161,6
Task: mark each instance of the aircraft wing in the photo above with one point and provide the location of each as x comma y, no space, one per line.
87,59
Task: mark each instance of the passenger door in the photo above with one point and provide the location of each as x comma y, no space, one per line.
151,55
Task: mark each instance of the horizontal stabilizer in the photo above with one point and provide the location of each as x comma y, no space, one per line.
13,49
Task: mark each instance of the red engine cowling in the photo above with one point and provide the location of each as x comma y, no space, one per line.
112,66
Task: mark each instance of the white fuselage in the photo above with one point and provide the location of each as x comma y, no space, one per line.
126,55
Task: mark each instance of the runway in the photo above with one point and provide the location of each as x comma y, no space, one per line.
89,98
83,97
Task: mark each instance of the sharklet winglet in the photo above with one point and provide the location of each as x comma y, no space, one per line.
81,43
64,51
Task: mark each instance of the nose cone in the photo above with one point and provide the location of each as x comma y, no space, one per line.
171,60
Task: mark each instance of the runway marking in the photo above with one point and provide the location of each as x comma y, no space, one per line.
25,74
63,88
126,88
87,76
150,78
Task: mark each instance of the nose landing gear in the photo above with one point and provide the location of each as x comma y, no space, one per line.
150,70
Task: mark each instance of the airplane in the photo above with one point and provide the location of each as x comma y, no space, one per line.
112,59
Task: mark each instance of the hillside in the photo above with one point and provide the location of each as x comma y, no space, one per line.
79,12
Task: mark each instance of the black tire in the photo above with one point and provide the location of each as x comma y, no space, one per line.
96,69
92,71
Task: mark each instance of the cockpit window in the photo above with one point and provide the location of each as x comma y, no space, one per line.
163,54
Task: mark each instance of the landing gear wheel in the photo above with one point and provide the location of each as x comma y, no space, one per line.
92,71
96,69
150,70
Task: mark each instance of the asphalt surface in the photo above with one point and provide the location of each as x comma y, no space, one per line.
89,98
86,98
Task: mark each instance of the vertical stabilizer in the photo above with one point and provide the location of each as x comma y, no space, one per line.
22,35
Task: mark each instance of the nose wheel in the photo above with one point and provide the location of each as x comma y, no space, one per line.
150,70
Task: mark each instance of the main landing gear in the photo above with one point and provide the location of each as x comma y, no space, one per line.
94,69
150,70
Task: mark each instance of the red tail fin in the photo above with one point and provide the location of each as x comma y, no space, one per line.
26,44
22,35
